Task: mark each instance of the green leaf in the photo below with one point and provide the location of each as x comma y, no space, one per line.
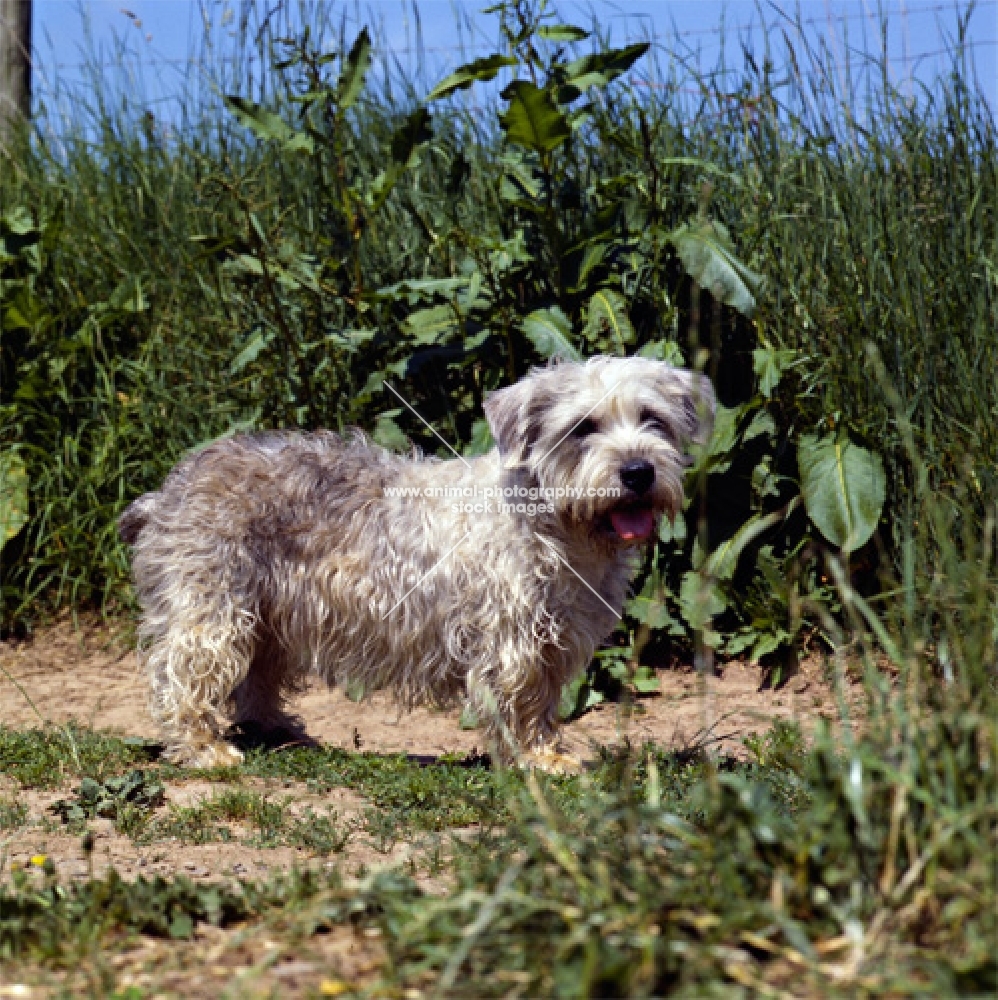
608,315
699,599
13,495
645,680
769,365
578,696
481,439
762,423
463,77
601,68
257,341
532,118
268,125
388,434
716,456
723,561
351,81
550,330
562,33
706,251
430,326
413,132
663,350
844,488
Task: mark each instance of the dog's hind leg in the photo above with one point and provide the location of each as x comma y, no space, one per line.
195,667
261,696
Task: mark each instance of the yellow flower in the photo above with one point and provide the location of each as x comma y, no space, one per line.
333,987
39,860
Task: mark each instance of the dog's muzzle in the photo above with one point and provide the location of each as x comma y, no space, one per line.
638,476
633,521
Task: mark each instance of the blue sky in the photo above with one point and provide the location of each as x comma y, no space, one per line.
162,34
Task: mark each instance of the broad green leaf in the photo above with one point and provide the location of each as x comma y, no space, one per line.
844,488
381,187
577,696
13,495
663,350
716,456
532,118
645,680
407,139
600,68
267,124
723,561
700,599
388,434
762,423
463,77
706,251
550,331
562,33
420,288
481,439
592,258
430,326
351,81
769,365
608,315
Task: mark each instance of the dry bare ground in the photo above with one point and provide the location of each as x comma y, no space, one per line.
87,673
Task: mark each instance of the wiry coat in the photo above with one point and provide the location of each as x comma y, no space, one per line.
267,558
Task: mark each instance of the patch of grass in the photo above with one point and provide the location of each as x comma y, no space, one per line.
46,758
13,815
321,834
124,799
57,920
421,797
622,896
273,823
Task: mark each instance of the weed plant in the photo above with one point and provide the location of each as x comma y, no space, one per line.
271,259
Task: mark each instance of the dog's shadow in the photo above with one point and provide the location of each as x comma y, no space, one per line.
248,736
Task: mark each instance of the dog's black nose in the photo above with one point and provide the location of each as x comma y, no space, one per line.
638,475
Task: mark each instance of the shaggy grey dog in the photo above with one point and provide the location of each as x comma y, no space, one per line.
270,557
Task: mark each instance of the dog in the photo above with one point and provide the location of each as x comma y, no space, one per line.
268,558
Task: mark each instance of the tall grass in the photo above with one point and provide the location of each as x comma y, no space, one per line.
135,334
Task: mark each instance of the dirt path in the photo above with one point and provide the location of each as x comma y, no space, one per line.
90,674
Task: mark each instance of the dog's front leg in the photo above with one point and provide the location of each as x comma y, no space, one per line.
519,710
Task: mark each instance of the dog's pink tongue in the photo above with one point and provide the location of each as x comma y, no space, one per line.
633,525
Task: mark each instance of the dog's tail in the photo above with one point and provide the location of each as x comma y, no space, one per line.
135,517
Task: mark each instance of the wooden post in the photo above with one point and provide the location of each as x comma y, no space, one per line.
15,65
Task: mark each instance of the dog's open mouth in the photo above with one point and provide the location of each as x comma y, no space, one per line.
632,524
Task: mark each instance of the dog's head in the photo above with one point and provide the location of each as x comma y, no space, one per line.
605,440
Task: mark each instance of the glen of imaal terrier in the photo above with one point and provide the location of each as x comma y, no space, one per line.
269,557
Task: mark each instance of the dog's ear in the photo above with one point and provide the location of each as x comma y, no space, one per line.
699,406
505,410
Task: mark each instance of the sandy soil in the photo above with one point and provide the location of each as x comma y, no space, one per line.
88,673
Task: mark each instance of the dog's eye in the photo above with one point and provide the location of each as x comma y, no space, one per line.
584,428
658,425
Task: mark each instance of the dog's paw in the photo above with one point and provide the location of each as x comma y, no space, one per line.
207,755
550,760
